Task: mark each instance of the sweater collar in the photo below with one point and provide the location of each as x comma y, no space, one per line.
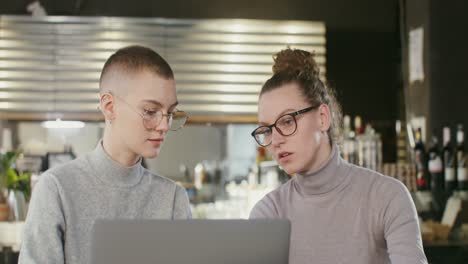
111,172
330,175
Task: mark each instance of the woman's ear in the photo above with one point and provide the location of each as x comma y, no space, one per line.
325,117
107,106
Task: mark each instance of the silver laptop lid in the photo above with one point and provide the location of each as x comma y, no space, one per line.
191,241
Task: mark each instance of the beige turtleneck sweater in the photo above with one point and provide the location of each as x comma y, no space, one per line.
342,213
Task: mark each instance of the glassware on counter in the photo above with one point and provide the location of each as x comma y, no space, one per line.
362,147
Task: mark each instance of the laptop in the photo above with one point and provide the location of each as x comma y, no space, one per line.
195,241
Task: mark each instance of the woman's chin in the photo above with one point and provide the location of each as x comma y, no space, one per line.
290,170
151,154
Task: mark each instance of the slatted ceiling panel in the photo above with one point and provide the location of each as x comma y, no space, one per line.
24,86
219,88
32,86
234,52
52,64
93,98
226,98
73,107
23,96
218,67
26,106
221,108
226,78
264,59
78,86
241,38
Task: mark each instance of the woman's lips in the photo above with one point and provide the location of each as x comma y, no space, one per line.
156,142
284,156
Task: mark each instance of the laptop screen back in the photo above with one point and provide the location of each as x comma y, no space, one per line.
191,241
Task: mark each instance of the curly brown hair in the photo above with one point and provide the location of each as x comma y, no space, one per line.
299,66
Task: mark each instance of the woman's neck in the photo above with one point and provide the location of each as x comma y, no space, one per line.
116,149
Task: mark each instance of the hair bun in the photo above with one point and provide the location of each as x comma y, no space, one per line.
296,62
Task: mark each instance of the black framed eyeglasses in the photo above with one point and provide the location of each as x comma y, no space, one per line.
286,125
151,119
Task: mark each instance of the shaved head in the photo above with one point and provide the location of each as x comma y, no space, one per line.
125,63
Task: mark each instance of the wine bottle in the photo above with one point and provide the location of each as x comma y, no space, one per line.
422,182
449,166
435,166
462,176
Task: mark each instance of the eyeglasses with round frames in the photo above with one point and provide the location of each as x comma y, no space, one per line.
151,119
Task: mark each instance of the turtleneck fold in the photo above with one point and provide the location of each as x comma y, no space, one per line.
111,172
330,175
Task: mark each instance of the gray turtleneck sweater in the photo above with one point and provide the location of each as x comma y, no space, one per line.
342,213
68,199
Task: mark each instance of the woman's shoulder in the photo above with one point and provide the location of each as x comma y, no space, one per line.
374,179
268,206
381,189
